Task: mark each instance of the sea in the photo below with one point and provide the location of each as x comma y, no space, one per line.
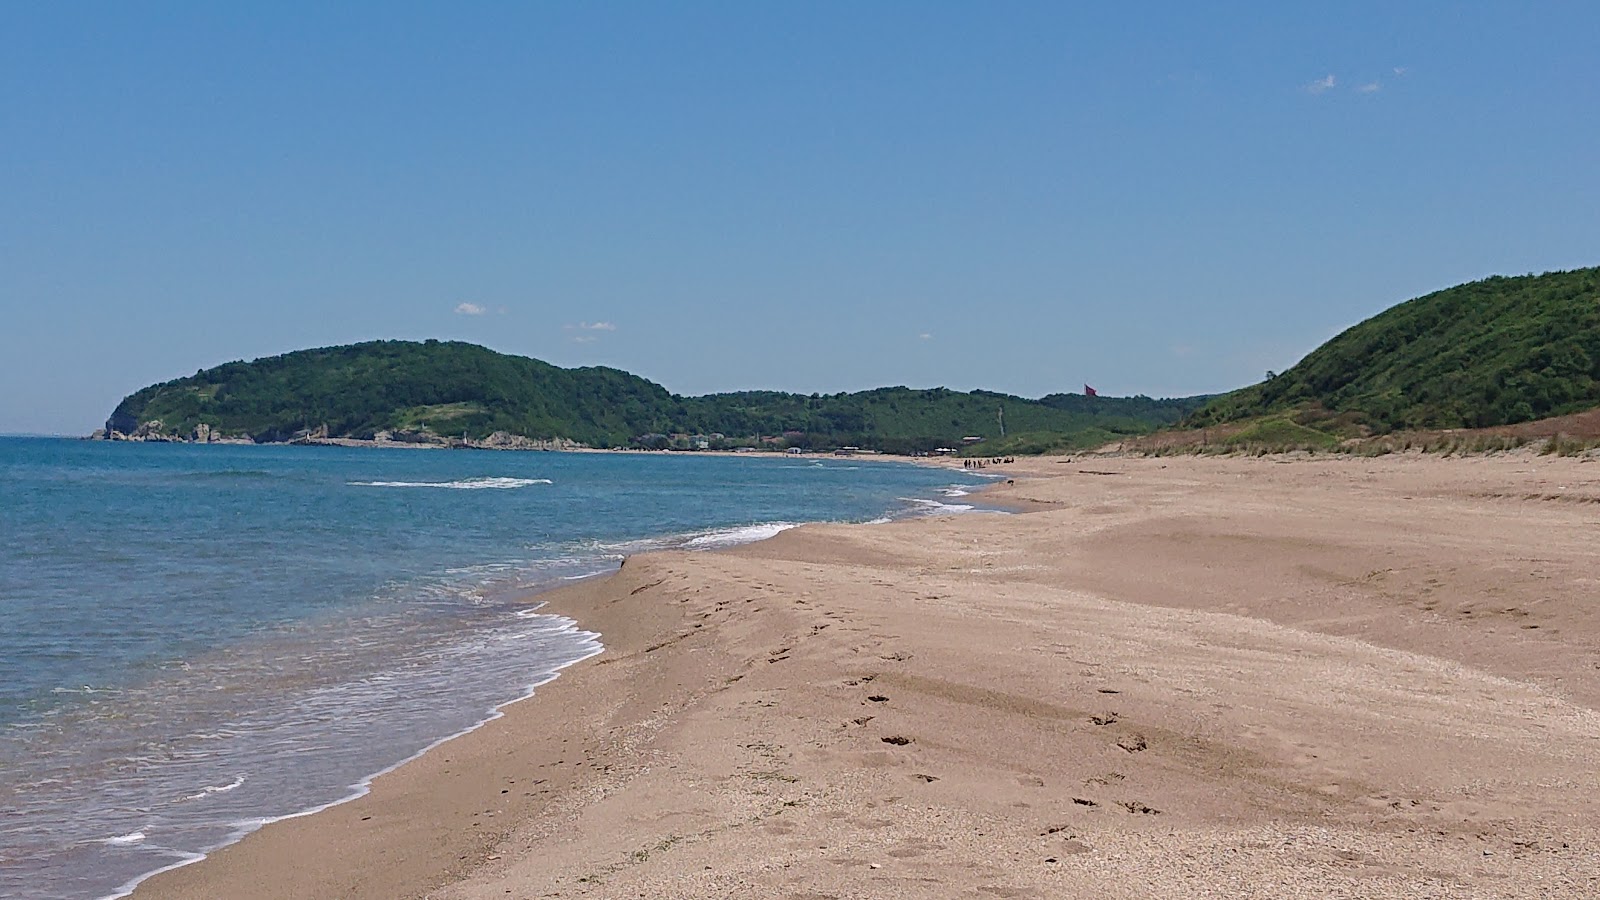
199,640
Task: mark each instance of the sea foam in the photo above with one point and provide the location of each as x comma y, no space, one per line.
731,537
935,508
466,484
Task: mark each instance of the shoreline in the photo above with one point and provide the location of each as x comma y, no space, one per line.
632,753
364,786
538,601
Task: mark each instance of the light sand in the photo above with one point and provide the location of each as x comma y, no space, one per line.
1176,678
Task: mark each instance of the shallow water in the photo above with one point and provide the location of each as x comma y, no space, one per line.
194,640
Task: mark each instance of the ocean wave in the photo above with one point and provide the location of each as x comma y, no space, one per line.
216,789
620,550
583,575
466,484
730,537
935,508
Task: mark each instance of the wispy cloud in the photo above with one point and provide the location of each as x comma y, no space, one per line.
588,332
470,309
1399,70
1371,87
925,336
1322,85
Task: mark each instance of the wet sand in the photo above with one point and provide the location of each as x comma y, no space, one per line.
1170,678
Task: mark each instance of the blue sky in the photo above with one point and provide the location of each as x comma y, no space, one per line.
1152,198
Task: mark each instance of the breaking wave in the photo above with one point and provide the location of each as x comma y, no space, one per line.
730,537
467,484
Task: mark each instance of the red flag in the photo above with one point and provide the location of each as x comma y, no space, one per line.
1090,392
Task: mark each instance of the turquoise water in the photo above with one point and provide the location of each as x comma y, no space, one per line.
196,640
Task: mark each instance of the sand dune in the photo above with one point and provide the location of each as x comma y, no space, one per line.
1169,678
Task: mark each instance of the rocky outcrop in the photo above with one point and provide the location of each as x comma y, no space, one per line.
503,440
153,431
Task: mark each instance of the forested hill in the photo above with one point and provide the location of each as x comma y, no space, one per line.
440,389
1493,352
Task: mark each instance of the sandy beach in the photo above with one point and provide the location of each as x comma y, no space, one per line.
1181,677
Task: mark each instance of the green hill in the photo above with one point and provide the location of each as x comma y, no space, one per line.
1493,352
456,389
357,390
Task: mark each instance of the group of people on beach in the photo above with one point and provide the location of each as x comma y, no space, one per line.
981,463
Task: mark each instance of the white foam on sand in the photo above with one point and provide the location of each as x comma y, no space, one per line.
731,537
935,508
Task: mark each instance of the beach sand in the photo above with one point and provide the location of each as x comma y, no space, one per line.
1320,677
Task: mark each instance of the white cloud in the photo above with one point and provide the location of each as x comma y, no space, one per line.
1371,87
592,329
1399,70
1322,84
925,336
470,309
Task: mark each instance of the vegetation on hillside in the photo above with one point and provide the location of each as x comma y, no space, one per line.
1493,352
357,390
458,389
